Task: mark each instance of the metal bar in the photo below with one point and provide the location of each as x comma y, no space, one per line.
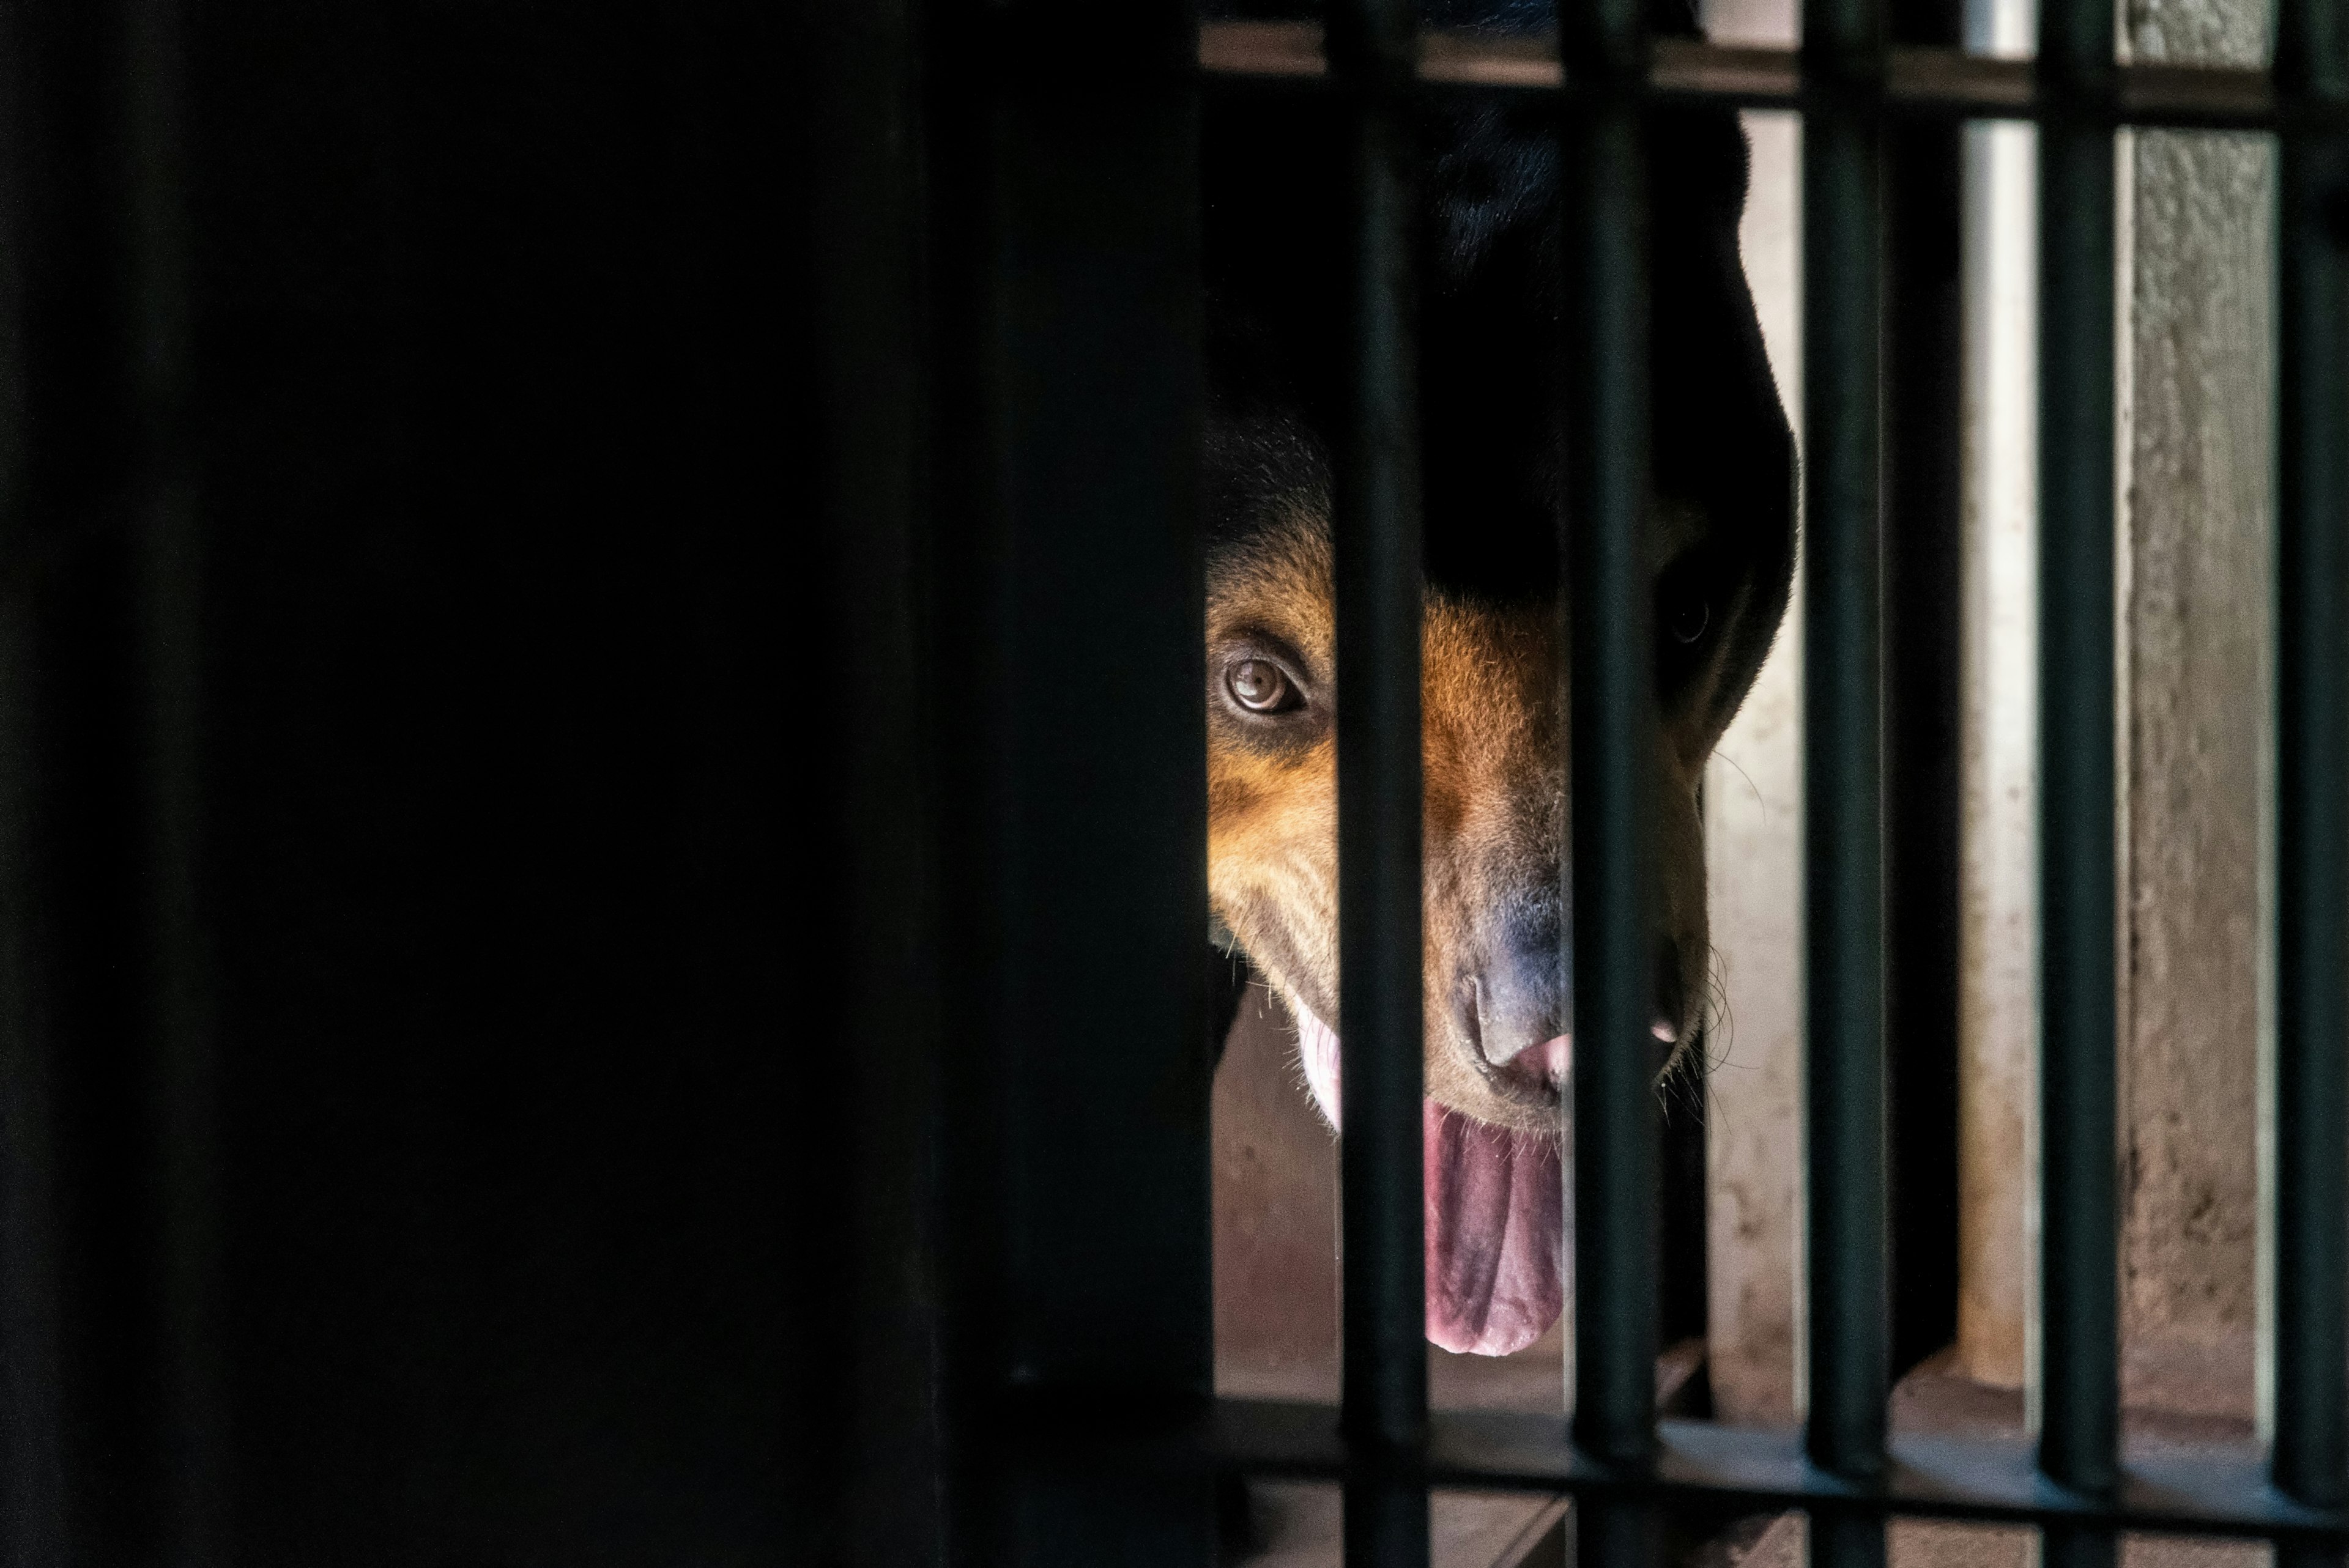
1843,662
1846,1538
2077,1546
36,1525
891,1473
1610,748
170,585
2203,1492
1385,1517
2312,816
2079,1381
1378,648
1612,1531
1919,80
1069,407
1923,354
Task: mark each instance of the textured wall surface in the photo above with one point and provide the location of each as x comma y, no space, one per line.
2194,405
2197,622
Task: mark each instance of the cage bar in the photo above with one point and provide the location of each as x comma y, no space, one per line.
1614,1112
2079,1383
1992,1480
1079,1252
1849,1175
1919,81
2311,814
1608,75
1378,636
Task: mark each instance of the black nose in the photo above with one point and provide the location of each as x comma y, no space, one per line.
1522,994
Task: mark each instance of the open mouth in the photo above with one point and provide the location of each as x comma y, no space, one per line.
1496,1196
1495,1204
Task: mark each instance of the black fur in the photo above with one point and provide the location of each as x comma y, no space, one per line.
1490,407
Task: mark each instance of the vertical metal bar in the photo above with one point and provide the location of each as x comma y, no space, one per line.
1843,662
2077,1546
1609,1531
1924,423
34,1522
1378,644
1846,1538
1610,745
2311,813
2080,1388
2301,1552
1072,435
865,200
170,585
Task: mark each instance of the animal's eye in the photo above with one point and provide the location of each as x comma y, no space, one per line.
1260,686
1689,618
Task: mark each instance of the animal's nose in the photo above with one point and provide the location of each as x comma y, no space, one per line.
1521,996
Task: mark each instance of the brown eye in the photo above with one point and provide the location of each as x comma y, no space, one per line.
1259,685
1688,620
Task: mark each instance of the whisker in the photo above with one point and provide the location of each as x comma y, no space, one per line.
1758,800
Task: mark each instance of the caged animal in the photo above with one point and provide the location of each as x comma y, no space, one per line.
1719,533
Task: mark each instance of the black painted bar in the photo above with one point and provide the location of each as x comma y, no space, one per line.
2300,1551
2078,1259
1846,1538
2077,1546
2220,1491
2311,813
1069,427
1378,637
1614,1131
1615,1529
1923,82
1924,426
170,574
1844,835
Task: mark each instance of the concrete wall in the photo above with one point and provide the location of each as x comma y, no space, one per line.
2193,289
2197,626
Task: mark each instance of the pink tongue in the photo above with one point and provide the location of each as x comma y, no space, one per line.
1496,1214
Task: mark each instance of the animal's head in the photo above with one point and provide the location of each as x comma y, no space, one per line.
1498,988
1719,537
